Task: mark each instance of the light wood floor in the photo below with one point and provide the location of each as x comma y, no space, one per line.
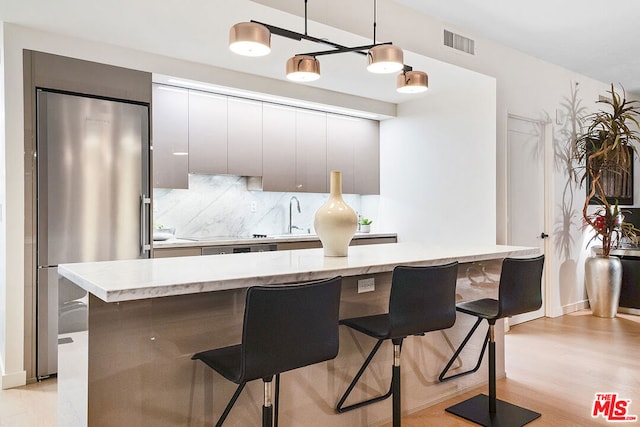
554,366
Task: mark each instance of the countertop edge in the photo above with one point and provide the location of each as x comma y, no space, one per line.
118,281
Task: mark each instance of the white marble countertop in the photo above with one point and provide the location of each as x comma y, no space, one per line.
114,281
279,238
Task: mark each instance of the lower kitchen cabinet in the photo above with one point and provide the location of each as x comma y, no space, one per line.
282,246
288,246
373,241
176,252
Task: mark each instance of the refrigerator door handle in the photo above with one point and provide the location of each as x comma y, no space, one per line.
145,245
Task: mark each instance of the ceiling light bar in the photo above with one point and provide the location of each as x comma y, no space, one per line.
357,49
293,35
253,39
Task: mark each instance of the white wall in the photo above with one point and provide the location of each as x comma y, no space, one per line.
3,229
437,166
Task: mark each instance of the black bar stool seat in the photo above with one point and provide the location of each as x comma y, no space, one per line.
485,308
422,299
519,291
285,328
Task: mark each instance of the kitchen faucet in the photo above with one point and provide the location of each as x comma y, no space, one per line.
291,226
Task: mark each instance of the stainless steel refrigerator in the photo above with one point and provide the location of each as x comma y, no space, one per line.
93,201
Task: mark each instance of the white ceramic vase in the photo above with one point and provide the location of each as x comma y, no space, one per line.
335,221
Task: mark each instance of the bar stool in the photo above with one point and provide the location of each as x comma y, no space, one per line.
422,299
285,327
519,292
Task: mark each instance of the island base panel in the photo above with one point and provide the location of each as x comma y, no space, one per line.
138,369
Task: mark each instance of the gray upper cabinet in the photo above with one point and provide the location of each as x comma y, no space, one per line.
353,148
311,151
170,137
366,164
340,149
292,149
278,148
244,141
207,133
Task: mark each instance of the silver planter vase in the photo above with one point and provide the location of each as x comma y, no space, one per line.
603,279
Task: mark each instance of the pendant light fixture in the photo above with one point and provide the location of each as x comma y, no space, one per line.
250,39
254,39
413,81
303,68
383,58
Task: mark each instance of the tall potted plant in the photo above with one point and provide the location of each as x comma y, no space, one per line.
606,147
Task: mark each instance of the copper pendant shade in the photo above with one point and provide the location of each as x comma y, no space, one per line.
384,59
413,82
250,39
303,68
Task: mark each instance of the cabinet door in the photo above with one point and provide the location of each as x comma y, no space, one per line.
311,151
170,108
279,148
244,142
366,144
207,133
341,131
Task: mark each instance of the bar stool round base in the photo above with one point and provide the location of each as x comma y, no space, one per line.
476,409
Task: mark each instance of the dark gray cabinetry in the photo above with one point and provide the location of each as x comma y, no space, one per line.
170,137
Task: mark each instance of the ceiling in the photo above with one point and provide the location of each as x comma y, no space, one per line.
576,34
600,39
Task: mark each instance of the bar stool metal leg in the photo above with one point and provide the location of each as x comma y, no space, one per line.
230,405
276,399
395,383
489,411
466,339
339,406
267,407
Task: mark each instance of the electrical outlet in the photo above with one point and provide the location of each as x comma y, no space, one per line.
366,285
253,207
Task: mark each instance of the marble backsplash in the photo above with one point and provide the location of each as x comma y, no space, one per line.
221,206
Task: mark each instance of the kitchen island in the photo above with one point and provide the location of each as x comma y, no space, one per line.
131,365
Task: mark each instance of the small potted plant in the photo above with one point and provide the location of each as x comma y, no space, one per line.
365,225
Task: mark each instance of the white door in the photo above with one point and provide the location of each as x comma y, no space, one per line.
526,191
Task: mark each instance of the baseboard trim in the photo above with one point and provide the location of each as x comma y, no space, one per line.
570,308
14,379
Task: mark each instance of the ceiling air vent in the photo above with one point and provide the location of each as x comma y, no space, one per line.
459,42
